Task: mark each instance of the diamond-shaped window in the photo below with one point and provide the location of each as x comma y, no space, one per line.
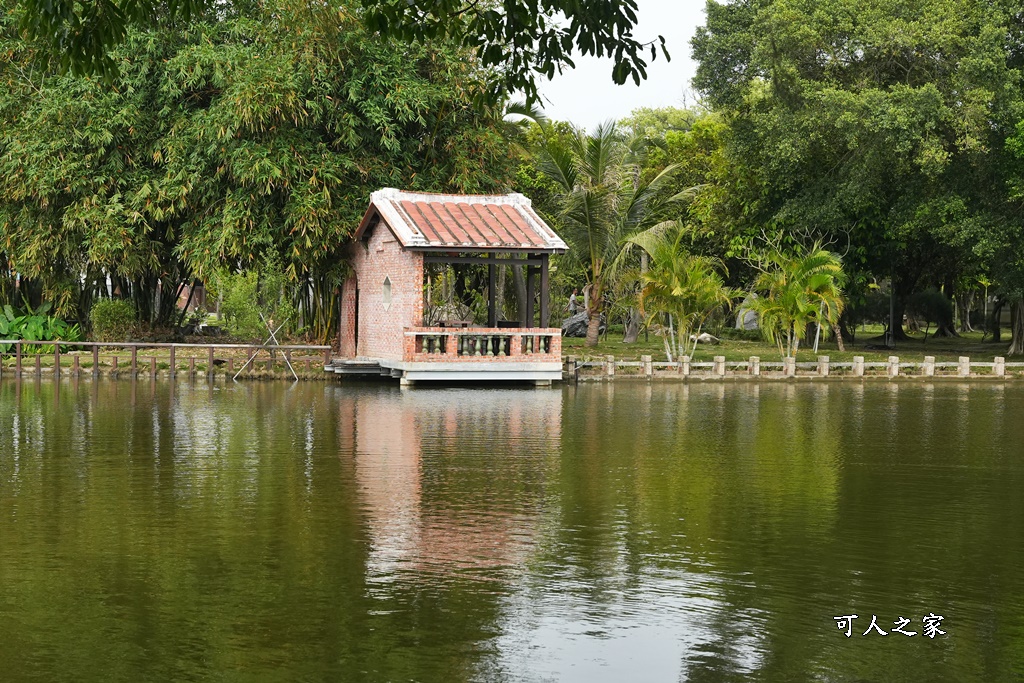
386,293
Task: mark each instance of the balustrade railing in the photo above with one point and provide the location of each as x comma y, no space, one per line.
480,343
485,345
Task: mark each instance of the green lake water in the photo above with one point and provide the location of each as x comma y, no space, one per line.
608,532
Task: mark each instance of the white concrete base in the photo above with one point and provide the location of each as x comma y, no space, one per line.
477,372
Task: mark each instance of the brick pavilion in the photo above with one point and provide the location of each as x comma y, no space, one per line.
382,304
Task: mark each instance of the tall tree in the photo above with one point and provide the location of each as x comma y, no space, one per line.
234,137
601,202
875,125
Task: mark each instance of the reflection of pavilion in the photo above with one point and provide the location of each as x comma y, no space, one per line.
421,458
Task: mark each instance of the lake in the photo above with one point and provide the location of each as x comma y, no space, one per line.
159,531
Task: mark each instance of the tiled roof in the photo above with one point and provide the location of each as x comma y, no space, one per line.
463,222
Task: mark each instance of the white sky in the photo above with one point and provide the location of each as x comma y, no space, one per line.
587,95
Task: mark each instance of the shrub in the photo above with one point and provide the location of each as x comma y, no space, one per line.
35,326
113,320
932,306
249,293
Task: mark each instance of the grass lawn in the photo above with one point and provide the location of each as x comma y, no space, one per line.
944,349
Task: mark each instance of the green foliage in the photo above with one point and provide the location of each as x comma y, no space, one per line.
688,287
883,127
227,137
795,291
520,39
932,306
113,320
601,202
252,296
515,39
35,325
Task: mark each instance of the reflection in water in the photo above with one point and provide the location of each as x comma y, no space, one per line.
628,531
403,441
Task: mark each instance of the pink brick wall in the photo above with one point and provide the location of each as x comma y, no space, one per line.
381,329
347,324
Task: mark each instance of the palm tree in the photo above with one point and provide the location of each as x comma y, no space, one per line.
796,291
687,287
603,201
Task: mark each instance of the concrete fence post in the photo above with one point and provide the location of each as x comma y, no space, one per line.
720,366
999,367
963,367
754,366
684,365
894,366
609,366
823,366
789,366
858,366
928,367
648,366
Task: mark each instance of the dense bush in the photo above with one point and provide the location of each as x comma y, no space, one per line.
113,320
932,306
248,294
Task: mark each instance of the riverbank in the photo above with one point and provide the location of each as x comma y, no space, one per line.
867,344
823,368
132,359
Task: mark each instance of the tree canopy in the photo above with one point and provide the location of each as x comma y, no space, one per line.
518,39
227,139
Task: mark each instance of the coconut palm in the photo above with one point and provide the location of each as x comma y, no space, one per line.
602,202
687,287
797,290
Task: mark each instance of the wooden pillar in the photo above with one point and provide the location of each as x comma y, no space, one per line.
174,363
17,359
209,362
152,367
531,293
76,369
56,360
492,293
135,360
95,361
545,294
